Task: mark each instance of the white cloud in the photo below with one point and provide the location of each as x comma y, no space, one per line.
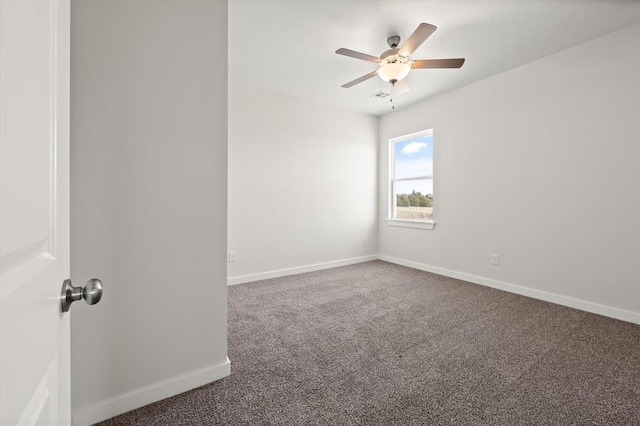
413,148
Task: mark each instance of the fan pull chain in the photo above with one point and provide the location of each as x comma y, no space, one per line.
393,86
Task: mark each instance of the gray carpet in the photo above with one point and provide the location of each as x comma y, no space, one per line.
381,344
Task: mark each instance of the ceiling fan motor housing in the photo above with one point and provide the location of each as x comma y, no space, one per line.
392,56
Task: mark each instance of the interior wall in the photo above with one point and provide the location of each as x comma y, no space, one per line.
540,165
149,200
302,184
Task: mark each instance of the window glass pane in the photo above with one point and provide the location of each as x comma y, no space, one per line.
414,157
414,199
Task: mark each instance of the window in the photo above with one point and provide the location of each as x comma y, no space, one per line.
411,176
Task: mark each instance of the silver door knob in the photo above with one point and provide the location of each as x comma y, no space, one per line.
91,293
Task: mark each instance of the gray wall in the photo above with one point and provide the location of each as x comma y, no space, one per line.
302,184
541,165
149,200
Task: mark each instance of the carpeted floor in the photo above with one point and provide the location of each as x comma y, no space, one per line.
381,344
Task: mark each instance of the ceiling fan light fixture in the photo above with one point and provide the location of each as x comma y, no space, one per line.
393,71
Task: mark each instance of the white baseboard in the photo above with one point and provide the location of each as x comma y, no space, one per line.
138,398
298,270
571,302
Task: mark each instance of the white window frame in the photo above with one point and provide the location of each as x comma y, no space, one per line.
408,223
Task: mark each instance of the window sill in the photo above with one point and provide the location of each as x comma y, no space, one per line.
420,224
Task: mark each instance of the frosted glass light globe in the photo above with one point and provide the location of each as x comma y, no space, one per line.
394,71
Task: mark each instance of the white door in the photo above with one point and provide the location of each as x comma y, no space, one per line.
34,211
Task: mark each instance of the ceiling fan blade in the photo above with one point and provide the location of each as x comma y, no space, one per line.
438,63
357,55
418,37
360,80
402,86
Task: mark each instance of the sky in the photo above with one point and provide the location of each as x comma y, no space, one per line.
414,157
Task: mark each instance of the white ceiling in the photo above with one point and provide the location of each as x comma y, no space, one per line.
288,46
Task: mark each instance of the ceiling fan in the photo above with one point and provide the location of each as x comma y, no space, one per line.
395,63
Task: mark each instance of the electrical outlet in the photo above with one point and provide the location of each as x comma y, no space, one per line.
365,241
495,259
233,256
